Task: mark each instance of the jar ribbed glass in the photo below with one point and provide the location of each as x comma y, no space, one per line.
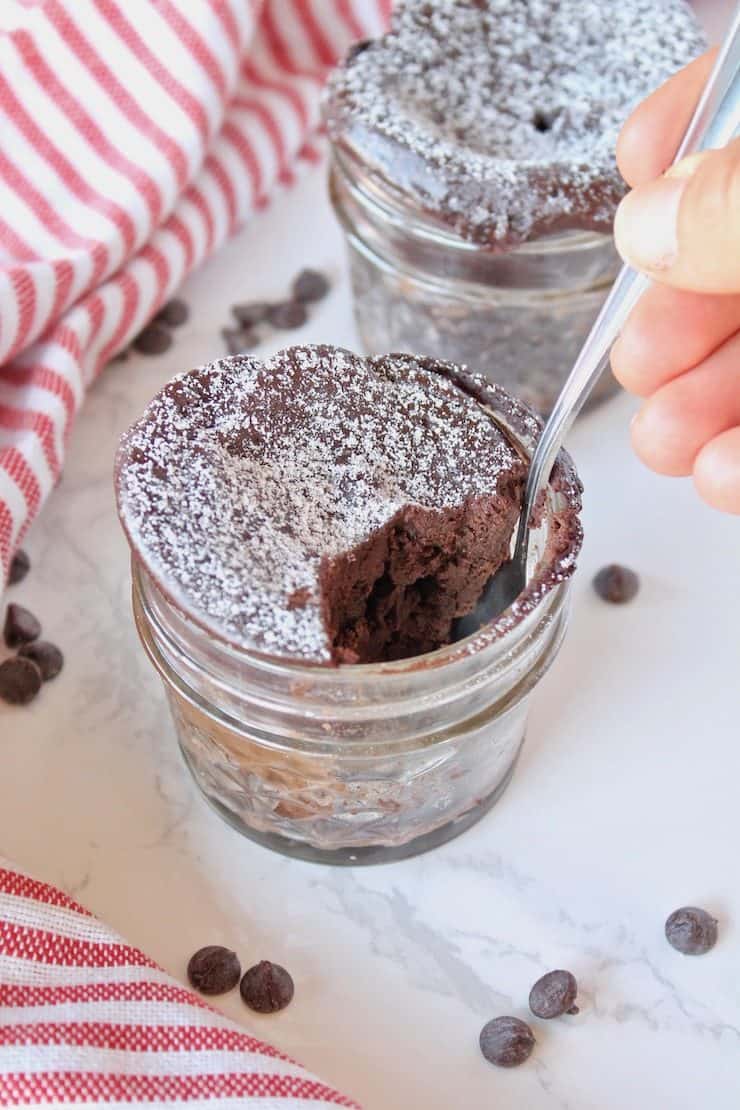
518,317
370,762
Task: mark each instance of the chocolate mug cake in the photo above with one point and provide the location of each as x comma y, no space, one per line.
474,174
304,532
321,506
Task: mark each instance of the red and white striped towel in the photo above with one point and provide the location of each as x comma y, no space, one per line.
135,136
85,1018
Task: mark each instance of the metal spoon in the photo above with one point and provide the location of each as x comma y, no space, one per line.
715,122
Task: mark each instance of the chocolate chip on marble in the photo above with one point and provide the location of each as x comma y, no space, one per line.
173,314
267,987
47,657
288,314
214,969
20,565
554,994
691,930
21,626
251,313
155,339
310,286
506,1042
239,340
20,681
616,584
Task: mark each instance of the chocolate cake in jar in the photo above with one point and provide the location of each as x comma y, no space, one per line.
474,173
305,532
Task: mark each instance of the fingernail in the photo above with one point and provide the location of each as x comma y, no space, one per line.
646,224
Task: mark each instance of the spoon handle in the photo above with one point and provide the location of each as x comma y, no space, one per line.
714,123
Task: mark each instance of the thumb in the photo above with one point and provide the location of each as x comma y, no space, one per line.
683,229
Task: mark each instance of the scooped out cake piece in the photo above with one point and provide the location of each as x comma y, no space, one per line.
321,506
500,117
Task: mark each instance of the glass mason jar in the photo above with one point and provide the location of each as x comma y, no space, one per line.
368,762
518,318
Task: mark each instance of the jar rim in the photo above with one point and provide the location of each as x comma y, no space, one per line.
562,546
379,194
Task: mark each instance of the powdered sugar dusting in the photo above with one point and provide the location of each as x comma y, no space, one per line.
242,476
501,116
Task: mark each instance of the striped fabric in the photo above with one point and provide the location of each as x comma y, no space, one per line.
135,136
84,1018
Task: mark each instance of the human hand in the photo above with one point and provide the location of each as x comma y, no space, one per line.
680,348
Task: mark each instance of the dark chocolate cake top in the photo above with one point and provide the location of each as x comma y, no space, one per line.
500,117
242,476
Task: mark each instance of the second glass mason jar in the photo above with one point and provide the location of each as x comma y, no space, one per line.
517,317
367,762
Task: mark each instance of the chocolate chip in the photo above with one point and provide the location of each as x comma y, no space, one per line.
173,314
310,286
691,930
289,314
239,340
506,1042
47,657
155,339
554,994
267,987
20,565
214,969
20,681
251,313
616,584
21,627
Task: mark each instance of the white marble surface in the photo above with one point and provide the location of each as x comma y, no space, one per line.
623,807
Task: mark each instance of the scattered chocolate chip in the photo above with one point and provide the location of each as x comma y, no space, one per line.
47,657
267,987
616,584
173,314
357,48
506,1042
20,565
214,969
541,121
554,994
239,339
691,930
251,313
155,339
21,627
289,314
20,681
310,286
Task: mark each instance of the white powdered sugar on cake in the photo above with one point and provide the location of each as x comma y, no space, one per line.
501,117
241,477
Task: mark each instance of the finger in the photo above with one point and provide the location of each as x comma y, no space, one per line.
717,471
668,332
676,422
683,229
650,138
